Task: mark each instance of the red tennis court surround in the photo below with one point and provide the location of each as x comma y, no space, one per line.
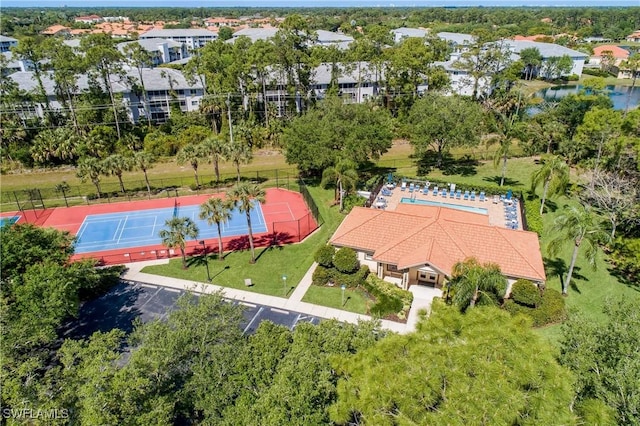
287,217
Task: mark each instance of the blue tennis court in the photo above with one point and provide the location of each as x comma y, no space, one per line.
141,227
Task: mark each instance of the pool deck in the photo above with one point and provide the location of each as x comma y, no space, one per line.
495,210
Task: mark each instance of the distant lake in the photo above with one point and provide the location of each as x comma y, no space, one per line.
617,94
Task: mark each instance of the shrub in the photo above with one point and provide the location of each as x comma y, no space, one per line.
550,310
351,201
324,256
532,213
626,257
321,276
573,77
352,280
526,293
389,298
345,260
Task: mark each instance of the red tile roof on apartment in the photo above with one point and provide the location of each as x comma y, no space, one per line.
440,237
618,52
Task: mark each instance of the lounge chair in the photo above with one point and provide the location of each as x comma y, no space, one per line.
425,190
466,195
458,194
386,192
403,186
444,192
473,195
417,188
435,191
482,197
411,187
452,193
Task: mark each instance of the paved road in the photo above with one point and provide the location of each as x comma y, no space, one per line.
131,299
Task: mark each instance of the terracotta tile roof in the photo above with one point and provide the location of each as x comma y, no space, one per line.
617,51
54,29
440,237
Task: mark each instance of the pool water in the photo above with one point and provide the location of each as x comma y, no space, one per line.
470,209
8,220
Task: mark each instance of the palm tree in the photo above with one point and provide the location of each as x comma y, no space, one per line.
506,130
63,187
191,153
243,197
115,165
577,225
343,175
471,280
143,160
554,175
179,230
633,65
215,210
90,168
216,148
239,153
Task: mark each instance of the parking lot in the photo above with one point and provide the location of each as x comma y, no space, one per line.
130,300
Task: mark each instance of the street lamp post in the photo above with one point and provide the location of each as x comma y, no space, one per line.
284,284
343,288
206,260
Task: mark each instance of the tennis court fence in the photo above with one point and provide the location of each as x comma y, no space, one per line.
62,195
283,232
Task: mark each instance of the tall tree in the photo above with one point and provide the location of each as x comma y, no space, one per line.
31,50
90,168
444,122
115,165
344,176
473,376
603,355
238,153
532,59
475,283
66,66
218,150
578,226
615,196
293,49
632,64
216,211
556,66
143,160
600,128
179,230
244,197
553,175
140,58
192,154
333,130
482,60
104,60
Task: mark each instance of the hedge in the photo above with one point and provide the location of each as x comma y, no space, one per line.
551,309
625,255
322,276
532,213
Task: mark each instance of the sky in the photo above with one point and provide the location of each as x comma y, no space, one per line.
312,3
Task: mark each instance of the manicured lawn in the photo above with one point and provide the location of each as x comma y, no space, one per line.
590,290
266,274
355,301
518,173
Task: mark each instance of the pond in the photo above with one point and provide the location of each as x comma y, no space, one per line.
617,94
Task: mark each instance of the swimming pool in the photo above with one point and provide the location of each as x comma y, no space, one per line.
8,220
448,205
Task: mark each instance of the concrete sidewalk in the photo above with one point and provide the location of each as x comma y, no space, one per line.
293,303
